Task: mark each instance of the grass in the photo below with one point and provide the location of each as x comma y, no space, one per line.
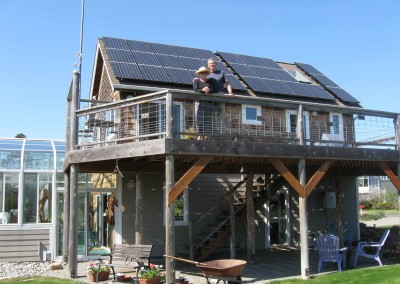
38,280
387,274
382,274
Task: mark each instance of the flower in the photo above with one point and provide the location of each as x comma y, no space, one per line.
92,268
152,272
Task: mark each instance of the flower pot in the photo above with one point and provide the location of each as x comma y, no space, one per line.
101,276
156,280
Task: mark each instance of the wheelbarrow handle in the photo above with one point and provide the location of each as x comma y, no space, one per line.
186,260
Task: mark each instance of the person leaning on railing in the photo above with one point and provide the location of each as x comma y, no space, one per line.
203,108
218,78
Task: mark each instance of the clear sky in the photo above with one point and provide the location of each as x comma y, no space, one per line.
354,43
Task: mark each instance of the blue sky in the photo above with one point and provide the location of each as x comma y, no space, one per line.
354,43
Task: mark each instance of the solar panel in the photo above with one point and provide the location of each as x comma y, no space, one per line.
170,61
119,55
222,67
319,92
283,75
300,89
308,68
117,43
193,63
262,72
258,85
163,49
235,83
343,95
126,71
185,51
146,58
243,70
230,57
279,87
324,81
250,60
154,73
204,53
182,76
139,46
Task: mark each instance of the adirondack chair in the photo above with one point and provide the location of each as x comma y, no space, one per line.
377,249
328,250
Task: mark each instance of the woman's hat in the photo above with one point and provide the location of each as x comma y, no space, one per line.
203,69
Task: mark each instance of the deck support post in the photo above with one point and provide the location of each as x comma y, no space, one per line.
339,209
73,184
66,217
139,209
251,251
170,212
305,263
232,223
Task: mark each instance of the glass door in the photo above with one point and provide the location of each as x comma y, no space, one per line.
277,212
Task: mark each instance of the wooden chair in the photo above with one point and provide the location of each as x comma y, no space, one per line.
376,248
328,251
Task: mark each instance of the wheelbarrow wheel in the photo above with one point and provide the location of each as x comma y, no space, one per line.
220,281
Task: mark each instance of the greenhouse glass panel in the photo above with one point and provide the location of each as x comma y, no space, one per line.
39,160
11,197
10,160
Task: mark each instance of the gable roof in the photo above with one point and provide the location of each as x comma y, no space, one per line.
135,62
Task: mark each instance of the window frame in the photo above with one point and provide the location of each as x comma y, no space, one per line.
245,107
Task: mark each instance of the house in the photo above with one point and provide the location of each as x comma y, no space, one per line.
279,165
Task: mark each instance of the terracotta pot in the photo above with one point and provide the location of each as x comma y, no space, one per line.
101,276
156,280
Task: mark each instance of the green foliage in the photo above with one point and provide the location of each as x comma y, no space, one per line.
150,273
92,268
375,201
381,274
20,135
373,216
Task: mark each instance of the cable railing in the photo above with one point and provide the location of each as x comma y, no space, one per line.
217,117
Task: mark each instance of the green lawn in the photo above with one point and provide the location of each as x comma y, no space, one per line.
382,274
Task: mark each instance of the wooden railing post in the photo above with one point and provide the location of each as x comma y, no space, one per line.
191,239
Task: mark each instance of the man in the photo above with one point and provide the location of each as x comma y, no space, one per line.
218,79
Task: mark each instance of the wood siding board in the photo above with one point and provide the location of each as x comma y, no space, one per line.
143,148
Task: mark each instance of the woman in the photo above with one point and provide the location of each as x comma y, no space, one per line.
204,108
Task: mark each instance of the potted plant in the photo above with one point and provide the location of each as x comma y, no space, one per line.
102,273
151,275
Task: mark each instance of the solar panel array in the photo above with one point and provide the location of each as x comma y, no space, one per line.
265,76
327,83
139,60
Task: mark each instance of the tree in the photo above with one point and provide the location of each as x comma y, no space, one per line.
20,135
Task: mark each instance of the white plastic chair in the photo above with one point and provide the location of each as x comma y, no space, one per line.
328,250
376,245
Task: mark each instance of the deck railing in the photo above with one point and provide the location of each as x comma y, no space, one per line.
234,119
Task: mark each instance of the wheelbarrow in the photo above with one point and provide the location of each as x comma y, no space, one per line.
225,270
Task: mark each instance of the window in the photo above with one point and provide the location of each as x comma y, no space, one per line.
181,208
337,124
9,198
251,114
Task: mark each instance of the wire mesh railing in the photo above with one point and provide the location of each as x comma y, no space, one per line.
240,119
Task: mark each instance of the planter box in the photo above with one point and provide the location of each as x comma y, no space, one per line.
101,276
156,280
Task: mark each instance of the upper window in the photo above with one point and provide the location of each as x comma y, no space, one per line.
251,114
298,76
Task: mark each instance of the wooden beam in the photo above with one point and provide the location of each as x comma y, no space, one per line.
319,174
289,177
188,177
395,180
251,236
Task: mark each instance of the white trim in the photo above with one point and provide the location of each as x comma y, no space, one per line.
251,121
306,117
340,121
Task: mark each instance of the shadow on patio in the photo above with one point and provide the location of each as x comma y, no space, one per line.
274,264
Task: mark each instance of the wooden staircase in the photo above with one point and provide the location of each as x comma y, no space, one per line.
217,230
